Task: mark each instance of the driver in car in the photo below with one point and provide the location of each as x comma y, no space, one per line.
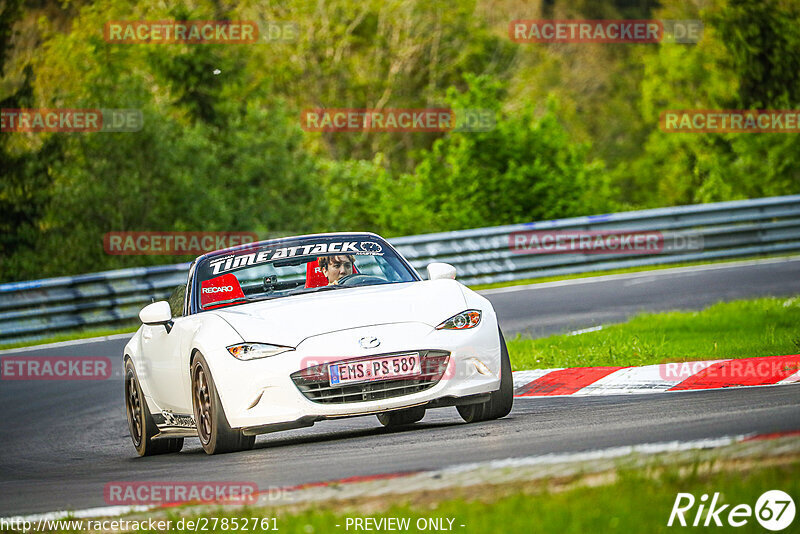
336,267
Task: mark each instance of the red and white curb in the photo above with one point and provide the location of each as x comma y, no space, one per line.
684,376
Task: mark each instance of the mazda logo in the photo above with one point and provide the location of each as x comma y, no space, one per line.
369,342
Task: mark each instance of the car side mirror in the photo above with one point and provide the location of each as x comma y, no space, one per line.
441,271
157,313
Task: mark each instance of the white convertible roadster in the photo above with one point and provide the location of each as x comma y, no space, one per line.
279,334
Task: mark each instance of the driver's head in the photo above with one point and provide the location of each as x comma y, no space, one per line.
335,267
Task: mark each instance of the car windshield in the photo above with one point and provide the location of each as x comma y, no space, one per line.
287,267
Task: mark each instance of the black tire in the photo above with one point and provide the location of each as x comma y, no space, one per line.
500,403
407,416
216,435
140,423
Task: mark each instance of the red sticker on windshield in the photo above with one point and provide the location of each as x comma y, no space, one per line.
220,289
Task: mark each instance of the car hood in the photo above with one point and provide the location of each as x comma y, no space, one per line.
289,320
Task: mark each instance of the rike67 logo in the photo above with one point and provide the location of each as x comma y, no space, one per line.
774,510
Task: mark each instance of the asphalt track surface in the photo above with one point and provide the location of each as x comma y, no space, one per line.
62,441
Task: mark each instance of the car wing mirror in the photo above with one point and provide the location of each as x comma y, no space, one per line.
157,313
441,271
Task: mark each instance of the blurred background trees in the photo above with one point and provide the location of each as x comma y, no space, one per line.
222,148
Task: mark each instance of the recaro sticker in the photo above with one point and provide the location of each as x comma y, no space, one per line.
219,290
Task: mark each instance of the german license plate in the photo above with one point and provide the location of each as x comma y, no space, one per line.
399,365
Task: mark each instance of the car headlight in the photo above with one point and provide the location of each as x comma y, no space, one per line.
254,351
462,321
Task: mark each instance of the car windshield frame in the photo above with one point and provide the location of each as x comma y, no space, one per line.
209,260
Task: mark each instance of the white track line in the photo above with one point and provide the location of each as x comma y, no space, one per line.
87,513
600,454
791,379
586,330
640,274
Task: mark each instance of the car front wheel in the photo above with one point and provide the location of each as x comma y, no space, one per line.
500,402
216,435
401,417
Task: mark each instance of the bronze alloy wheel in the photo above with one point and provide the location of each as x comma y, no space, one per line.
133,405
407,416
216,435
202,399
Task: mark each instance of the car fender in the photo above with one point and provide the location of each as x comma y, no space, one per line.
479,302
212,336
133,352
489,316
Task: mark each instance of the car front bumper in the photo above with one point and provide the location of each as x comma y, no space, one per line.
260,395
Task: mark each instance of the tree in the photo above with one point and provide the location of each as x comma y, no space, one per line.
742,45
525,169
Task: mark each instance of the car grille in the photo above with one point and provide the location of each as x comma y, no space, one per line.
314,382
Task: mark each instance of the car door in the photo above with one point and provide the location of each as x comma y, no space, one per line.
162,353
167,376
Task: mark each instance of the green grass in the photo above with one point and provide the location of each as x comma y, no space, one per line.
739,329
642,268
635,503
631,500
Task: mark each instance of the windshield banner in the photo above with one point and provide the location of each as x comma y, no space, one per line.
236,261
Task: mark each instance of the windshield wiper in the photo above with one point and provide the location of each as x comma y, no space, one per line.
326,288
213,305
265,297
228,301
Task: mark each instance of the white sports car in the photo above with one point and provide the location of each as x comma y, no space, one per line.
280,334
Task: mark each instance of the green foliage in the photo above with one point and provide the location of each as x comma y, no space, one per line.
763,40
221,148
24,167
742,45
524,169
204,160
360,196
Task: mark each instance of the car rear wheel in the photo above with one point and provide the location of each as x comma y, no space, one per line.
140,423
216,435
500,403
401,417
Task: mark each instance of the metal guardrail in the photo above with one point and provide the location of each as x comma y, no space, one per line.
40,308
